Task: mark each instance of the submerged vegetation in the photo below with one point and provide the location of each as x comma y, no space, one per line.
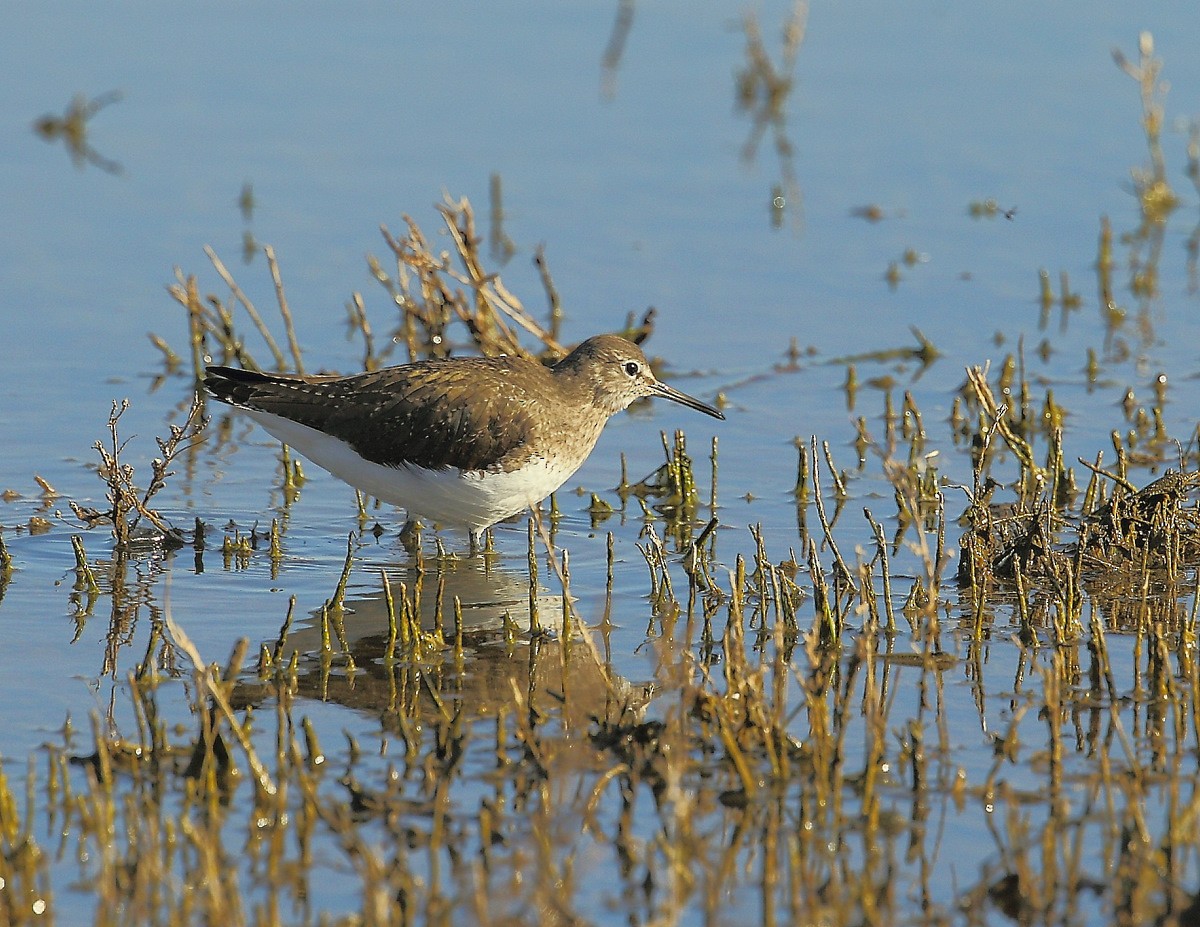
827,731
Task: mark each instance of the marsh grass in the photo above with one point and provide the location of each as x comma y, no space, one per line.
779,760
837,732
792,754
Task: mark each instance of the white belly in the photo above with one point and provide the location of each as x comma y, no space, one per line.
473,499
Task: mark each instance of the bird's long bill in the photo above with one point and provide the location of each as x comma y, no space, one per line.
669,392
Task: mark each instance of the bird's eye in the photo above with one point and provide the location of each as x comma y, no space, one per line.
633,368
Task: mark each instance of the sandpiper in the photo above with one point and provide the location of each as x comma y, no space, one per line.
465,441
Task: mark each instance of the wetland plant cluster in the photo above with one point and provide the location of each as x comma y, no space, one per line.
794,755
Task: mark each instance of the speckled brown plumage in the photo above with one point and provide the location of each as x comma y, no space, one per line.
465,441
471,413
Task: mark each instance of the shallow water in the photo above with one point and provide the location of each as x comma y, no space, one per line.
638,185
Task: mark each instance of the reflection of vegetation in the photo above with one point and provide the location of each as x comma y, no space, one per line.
924,353
1156,199
1153,190
616,47
990,209
246,205
6,567
1193,172
762,91
72,129
502,247
1143,245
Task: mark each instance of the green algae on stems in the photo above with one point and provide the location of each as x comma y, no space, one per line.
86,578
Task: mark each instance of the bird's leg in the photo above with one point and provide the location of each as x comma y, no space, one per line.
478,536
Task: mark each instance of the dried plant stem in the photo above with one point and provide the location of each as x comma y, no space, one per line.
219,266
284,311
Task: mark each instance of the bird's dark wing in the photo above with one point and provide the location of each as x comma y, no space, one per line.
465,413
